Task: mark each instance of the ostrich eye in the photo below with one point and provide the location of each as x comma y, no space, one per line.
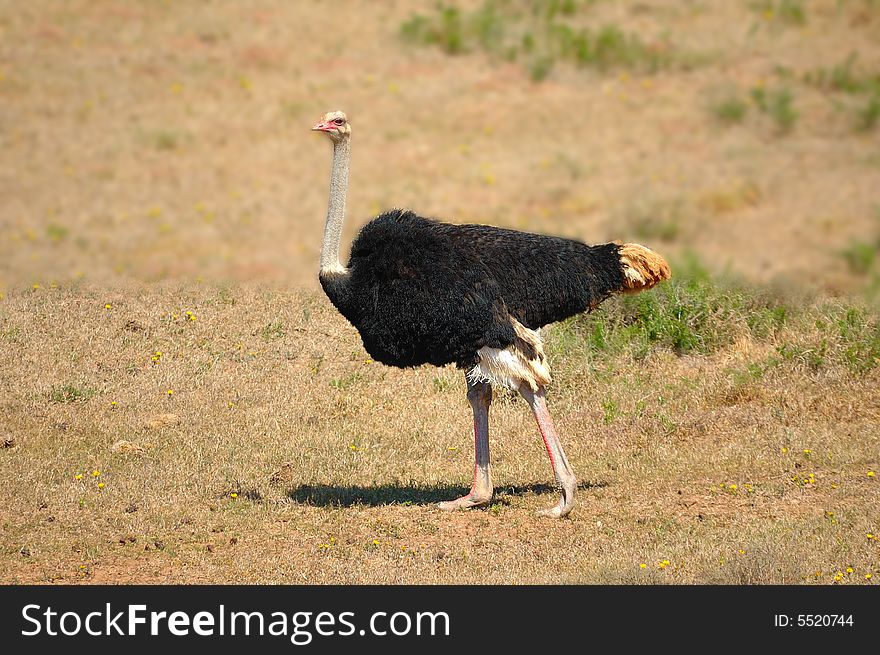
339,121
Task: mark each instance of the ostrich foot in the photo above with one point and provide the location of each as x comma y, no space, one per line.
566,501
473,499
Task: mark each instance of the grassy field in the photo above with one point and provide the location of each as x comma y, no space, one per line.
180,403
242,434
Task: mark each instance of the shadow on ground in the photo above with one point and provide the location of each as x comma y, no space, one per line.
322,495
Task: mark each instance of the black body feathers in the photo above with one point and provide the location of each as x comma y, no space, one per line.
421,291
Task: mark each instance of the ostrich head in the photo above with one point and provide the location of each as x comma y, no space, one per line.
335,125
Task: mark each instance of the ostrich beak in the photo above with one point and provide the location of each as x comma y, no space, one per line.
323,127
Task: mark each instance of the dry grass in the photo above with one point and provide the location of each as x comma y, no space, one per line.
153,151
147,140
335,461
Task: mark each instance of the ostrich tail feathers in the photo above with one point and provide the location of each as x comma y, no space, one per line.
642,268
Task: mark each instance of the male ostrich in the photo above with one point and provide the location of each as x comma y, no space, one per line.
421,291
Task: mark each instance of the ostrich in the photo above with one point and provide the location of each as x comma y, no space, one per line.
422,291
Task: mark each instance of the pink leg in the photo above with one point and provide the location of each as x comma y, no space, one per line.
562,470
479,396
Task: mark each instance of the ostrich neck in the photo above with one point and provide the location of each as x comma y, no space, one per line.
330,263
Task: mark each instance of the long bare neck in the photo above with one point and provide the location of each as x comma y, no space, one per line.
330,263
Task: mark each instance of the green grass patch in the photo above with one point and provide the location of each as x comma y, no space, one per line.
849,79
655,220
860,256
56,233
690,314
272,331
778,105
785,12
812,356
868,115
442,384
346,381
858,334
844,77
70,393
695,313
730,110
445,29
540,34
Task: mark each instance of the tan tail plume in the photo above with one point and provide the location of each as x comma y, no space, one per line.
642,268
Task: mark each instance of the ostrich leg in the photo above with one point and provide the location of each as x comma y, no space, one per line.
565,477
480,396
